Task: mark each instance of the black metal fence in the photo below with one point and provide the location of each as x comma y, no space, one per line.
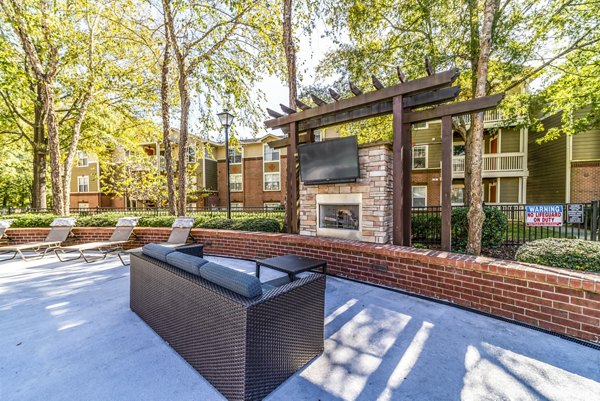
211,212
426,225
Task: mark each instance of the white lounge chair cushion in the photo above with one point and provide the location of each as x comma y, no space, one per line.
127,222
183,222
63,222
5,223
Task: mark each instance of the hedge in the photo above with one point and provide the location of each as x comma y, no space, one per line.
426,228
574,254
245,223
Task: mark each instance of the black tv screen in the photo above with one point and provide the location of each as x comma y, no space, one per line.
330,161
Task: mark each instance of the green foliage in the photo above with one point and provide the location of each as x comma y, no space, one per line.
245,222
494,228
559,252
425,226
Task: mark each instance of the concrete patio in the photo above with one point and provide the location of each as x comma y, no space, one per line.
67,333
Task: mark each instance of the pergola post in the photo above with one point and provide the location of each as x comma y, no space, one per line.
402,172
446,182
292,181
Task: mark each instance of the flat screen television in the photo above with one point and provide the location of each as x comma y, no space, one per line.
332,161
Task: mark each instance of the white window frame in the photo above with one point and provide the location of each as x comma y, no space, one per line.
426,157
241,152
319,135
231,182
86,182
237,205
82,159
416,127
413,195
269,173
87,207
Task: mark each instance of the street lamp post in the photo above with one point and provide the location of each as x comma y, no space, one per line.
226,119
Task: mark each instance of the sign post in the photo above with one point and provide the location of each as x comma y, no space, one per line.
544,215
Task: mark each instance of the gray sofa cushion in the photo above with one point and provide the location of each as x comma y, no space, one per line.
157,251
238,282
189,263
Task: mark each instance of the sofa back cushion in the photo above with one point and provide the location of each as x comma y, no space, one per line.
189,263
157,251
238,282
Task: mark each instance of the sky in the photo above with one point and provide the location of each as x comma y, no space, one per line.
311,49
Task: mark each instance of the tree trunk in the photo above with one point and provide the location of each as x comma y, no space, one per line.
290,51
184,95
166,123
69,160
468,166
476,215
38,198
53,148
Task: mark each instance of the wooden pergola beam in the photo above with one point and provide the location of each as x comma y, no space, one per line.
434,81
455,109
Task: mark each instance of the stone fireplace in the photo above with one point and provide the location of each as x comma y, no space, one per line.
360,210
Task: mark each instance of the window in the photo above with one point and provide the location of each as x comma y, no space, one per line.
83,184
191,154
82,159
236,183
272,205
271,169
237,205
419,196
270,154
423,125
457,195
318,136
193,182
420,156
235,156
83,206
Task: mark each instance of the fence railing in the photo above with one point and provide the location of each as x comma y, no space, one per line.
216,212
427,225
488,117
493,162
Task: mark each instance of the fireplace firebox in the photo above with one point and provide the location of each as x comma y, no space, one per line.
341,217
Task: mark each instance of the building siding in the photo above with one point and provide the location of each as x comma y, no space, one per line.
510,140
547,166
509,189
586,146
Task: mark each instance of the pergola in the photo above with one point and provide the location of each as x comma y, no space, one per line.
402,101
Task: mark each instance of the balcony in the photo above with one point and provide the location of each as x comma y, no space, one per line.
494,165
489,117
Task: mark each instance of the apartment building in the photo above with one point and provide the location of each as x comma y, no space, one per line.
85,184
566,169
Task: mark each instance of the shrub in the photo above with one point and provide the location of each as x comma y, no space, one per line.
30,220
494,228
253,224
561,252
425,227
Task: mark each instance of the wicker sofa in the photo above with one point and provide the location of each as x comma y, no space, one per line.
245,347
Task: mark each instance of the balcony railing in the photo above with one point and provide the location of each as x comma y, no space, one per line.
489,116
493,163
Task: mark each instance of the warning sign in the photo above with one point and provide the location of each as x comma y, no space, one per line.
544,215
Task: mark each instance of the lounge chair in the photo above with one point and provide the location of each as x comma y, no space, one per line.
114,245
181,229
4,225
60,229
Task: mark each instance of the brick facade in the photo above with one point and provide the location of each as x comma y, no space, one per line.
585,182
252,194
566,302
432,179
374,187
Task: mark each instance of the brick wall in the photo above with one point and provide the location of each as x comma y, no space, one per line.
252,194
566,302
431,179
585,181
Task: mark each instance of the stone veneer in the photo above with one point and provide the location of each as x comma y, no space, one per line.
375,186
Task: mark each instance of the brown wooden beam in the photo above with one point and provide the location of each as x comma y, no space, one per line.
454,109
381,108
376,83
432,82
401,76
446,182
287,110
354,89
401,172
302,105
273,113
336,96
318,101
292,182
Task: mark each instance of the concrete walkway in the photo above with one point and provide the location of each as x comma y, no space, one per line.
66,333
